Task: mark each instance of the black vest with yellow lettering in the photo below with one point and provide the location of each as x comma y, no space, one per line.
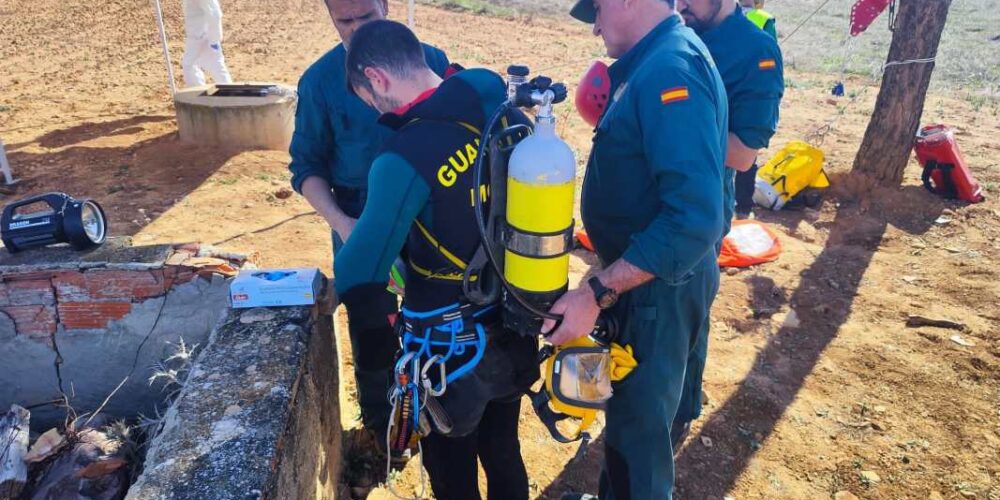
439,137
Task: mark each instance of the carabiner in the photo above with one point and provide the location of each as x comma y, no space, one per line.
437,358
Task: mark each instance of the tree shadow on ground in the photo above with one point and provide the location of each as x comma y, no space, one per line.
93,130
823,302
133,182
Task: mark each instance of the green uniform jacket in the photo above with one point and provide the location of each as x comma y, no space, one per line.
653,188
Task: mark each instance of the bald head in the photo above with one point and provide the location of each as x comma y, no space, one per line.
349,15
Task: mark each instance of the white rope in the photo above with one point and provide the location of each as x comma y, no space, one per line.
908,61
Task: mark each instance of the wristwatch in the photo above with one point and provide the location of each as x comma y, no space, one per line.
605,297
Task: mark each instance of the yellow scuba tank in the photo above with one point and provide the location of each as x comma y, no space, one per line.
534,189
541,182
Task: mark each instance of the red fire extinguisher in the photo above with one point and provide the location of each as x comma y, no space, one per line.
945,172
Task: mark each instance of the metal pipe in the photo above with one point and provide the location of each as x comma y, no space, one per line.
166,49
5,167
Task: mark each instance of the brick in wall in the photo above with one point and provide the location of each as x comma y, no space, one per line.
29,293
110,285
32,320
91,315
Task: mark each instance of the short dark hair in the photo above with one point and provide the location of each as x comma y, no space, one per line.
387,45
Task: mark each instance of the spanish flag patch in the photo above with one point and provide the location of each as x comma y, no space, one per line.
766,64
673,95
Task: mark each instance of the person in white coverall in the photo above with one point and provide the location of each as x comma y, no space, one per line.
203,45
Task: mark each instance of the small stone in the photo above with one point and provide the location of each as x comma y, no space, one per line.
791,320
252,369
231,410
844,495
283,193
214,376
706,441
787,320
732,271
870,477
935,495
960,340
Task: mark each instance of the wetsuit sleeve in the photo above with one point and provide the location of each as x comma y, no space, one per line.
396,195
682,141
756,99
312,142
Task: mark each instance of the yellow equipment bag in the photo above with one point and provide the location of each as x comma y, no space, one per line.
796,167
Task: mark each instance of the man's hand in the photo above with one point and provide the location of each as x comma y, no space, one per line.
579,311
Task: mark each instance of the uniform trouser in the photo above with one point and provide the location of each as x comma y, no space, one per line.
484,405
744,190
452,463
662,323
373,340
204,54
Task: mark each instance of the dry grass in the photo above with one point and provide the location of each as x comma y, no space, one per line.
968,59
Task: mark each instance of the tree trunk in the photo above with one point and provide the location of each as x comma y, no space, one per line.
885,150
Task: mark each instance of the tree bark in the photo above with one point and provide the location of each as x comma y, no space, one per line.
885,150
13,448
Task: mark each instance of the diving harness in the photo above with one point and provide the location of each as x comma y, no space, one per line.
531,192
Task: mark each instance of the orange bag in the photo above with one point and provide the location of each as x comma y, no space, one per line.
749,243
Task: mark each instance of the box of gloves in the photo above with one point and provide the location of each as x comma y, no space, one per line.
275,287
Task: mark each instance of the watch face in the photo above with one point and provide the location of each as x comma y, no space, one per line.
607,299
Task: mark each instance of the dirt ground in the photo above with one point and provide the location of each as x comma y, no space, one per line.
841,396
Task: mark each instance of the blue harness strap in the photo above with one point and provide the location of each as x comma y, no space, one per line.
446,333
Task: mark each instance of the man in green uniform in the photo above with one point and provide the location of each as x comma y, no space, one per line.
763,19
751,67
336,138
652,203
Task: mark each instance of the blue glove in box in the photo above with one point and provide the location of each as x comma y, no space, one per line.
275,287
